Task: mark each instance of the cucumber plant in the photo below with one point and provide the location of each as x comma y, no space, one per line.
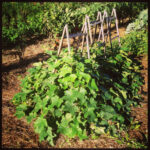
76,96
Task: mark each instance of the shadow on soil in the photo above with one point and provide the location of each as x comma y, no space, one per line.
28,42
22,64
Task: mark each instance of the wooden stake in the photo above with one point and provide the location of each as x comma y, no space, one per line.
117,26
60,45
83,36
87,40
88,22
68,41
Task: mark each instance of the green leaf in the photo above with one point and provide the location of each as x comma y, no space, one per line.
42,135
31,116
55,101
124,93
58,113
93,85
38,106
120,118
69,107
50,136
51,91
90,114
64,70
112,91
40,124
21,107
108,108
72,77
76,83
71,95
19,114
118,57
87,77
104,123
107,95
118,100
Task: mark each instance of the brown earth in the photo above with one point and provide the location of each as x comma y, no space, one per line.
17,133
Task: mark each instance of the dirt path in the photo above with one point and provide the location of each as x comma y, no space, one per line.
18,134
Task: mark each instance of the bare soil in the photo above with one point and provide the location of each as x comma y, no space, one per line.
17,133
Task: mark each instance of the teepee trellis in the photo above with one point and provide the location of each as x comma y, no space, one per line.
86,28
84,32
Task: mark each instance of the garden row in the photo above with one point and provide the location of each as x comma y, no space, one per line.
21,20
88,96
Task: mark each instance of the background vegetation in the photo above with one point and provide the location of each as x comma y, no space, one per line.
21,20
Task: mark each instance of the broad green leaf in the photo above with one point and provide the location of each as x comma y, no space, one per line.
38,106
108,95
93,85
89,113
118,57
31,116
68,117
106,115
42,135
93,103
58,113
55,101
100,130
76,83
104,123
40,124
50,136
26,91
70,108
72,77
120,118
21,107
51,91
118,100
125,80
108,108
64,70
86,76
71,95
125,74
19,114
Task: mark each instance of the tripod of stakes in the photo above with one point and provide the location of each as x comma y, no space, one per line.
83,33
87,28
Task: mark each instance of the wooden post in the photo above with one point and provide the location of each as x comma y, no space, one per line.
60,45
68,41
88,22
109,28
117,26
87,40
83,36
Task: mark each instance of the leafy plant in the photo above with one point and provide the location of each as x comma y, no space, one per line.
136,43
84,95
59,93
140,23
